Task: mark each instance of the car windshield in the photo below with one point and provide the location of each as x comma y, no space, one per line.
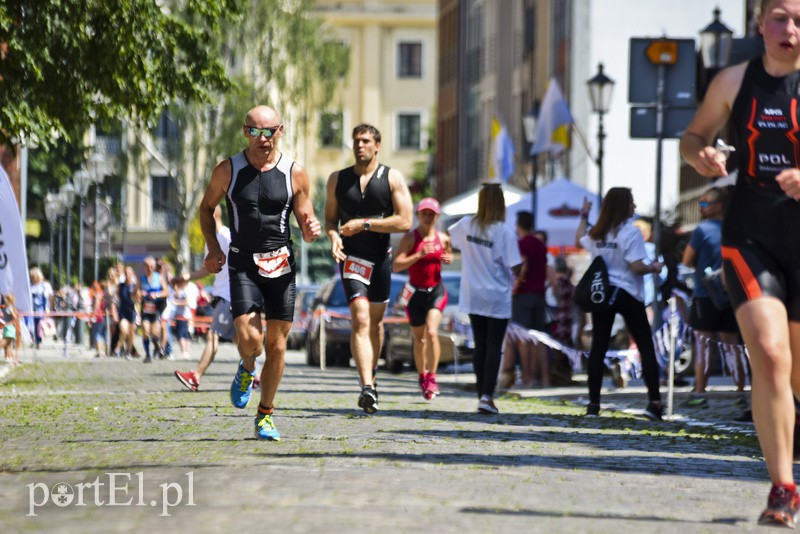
453,287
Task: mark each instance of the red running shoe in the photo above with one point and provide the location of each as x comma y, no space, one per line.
256,382
188,379
783,506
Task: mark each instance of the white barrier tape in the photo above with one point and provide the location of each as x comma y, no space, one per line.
629,359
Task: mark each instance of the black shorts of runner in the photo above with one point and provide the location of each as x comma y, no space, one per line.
705,317
150,311
127,314
752,271
423,300
529,311
151,317
253,293
380,282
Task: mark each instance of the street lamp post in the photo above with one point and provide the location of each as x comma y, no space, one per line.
529,121
82,181
716,42
600,89
51,211
68,198
97,177
60,207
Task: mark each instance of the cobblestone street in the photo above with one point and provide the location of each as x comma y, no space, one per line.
188,461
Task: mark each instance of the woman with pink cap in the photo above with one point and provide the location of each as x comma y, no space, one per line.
422,251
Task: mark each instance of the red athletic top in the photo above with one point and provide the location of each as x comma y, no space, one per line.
426,272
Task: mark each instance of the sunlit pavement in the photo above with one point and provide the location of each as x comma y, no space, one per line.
188,461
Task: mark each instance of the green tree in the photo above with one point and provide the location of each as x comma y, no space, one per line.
285,58
69,63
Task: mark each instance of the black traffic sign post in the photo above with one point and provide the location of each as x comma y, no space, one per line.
663,79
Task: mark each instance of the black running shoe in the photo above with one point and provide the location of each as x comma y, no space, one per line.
592,410
783,506
368,400
654,411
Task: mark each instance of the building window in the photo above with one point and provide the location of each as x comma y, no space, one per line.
164,196
530,28
330,129
409,134
409,60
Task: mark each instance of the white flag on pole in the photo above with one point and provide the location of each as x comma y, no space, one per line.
554,118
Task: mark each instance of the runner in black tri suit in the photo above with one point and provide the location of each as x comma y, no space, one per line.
760,248
365,203
262,186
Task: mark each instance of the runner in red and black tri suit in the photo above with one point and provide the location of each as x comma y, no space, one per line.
761,253
422,251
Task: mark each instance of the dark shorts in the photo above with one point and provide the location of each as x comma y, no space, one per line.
150,311
181,329
705,317
374,287
99,331
422,301
151,317
529,311
253,293
752,271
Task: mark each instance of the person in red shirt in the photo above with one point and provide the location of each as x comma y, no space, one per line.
528,306
422,251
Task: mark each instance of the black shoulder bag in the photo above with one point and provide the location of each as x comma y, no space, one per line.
594,293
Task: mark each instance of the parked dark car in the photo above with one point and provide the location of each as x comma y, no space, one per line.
330,298
455,331
304,298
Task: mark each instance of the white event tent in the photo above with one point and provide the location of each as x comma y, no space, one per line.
558,210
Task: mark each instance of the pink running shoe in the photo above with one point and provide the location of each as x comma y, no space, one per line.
433,385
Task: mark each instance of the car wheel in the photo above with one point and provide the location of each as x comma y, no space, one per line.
312,351
393,363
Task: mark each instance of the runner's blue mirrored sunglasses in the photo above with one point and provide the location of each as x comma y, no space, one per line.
252,131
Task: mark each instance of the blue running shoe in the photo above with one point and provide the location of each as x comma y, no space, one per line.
265,428
242,386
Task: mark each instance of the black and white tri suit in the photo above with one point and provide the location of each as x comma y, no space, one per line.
367,271
261,261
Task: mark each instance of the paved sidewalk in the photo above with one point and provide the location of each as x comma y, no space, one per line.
189,462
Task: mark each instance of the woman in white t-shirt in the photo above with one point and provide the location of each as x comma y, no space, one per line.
621,245
490,261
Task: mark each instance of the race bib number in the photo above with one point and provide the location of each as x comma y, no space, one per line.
406,294
358,269
148,306
273,264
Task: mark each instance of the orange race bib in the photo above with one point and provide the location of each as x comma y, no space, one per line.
273,264
357,269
